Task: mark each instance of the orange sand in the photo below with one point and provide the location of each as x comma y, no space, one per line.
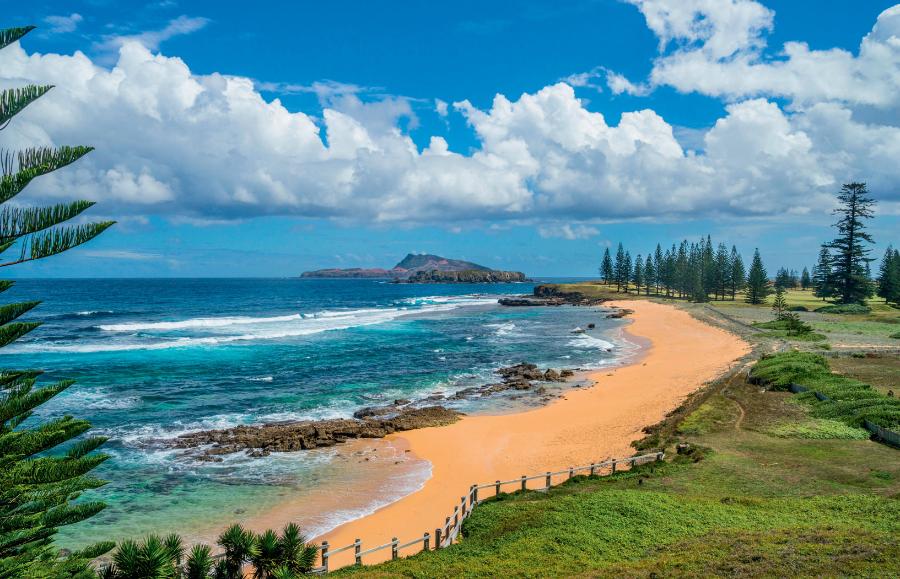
586,425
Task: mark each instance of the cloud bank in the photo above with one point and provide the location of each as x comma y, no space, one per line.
184,145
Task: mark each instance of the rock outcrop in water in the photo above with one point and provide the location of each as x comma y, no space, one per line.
466,276
370,422
264,439
550,295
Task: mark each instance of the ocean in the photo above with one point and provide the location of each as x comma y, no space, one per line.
156,358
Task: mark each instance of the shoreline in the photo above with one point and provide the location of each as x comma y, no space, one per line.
587,424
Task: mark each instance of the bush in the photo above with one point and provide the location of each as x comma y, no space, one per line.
798,309
850,401
781,370
845,309
896,335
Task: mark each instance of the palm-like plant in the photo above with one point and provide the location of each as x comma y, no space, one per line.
199,562
240,547
267,556
295,553
153,559
38,482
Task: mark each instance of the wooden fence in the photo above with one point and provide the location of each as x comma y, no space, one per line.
447,533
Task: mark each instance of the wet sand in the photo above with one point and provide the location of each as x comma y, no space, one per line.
586,425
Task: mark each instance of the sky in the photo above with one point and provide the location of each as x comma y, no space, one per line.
521,135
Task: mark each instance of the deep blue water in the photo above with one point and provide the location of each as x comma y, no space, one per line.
158,358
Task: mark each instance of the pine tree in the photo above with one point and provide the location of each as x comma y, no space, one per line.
757,281
889,276
805,280
849,262
738,278
626,271
779,306
606,267
783,278
649,274
619,269
723,271
638,274
42,467
659,266
823,280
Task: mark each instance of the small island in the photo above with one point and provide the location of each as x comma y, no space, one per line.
424,268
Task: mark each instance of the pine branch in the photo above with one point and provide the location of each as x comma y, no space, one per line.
10,35
13,100
10,312
28,400
55,241
18,170
16,222
12,332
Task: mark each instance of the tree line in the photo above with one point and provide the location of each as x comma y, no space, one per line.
700,271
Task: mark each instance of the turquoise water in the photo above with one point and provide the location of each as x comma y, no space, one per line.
159,358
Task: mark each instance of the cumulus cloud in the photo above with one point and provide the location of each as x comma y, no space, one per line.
63,24
211,147
716,47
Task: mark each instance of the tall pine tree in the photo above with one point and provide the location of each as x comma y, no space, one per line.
43,468
851,284
637,275
822,278
620,269
606,267
805,280
757,281
738,278
649,274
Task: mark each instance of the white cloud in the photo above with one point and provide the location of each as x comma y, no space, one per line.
440,107
718,51
63,24
210,147
568,231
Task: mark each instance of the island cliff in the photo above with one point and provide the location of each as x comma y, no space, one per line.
425,268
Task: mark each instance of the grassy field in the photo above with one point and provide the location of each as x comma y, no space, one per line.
766,487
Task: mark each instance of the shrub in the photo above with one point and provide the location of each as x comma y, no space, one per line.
798,309
845,309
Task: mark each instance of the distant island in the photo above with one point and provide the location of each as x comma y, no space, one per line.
424,268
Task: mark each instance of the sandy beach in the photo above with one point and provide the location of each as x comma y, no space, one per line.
587,424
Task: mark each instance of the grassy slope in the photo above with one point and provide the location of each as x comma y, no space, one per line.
765,494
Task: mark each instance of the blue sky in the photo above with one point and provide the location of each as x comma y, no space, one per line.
710,123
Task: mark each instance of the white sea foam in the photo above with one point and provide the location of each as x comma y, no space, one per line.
243,328
195,323
504,329
262,379
588,342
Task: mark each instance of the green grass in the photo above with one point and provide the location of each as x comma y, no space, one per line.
715,414
819,429
851,401
620,527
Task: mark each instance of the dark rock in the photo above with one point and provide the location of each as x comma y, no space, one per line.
401,402
552,375
619,313
591,326
287,437
567,373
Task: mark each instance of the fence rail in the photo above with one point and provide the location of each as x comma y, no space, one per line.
446,534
